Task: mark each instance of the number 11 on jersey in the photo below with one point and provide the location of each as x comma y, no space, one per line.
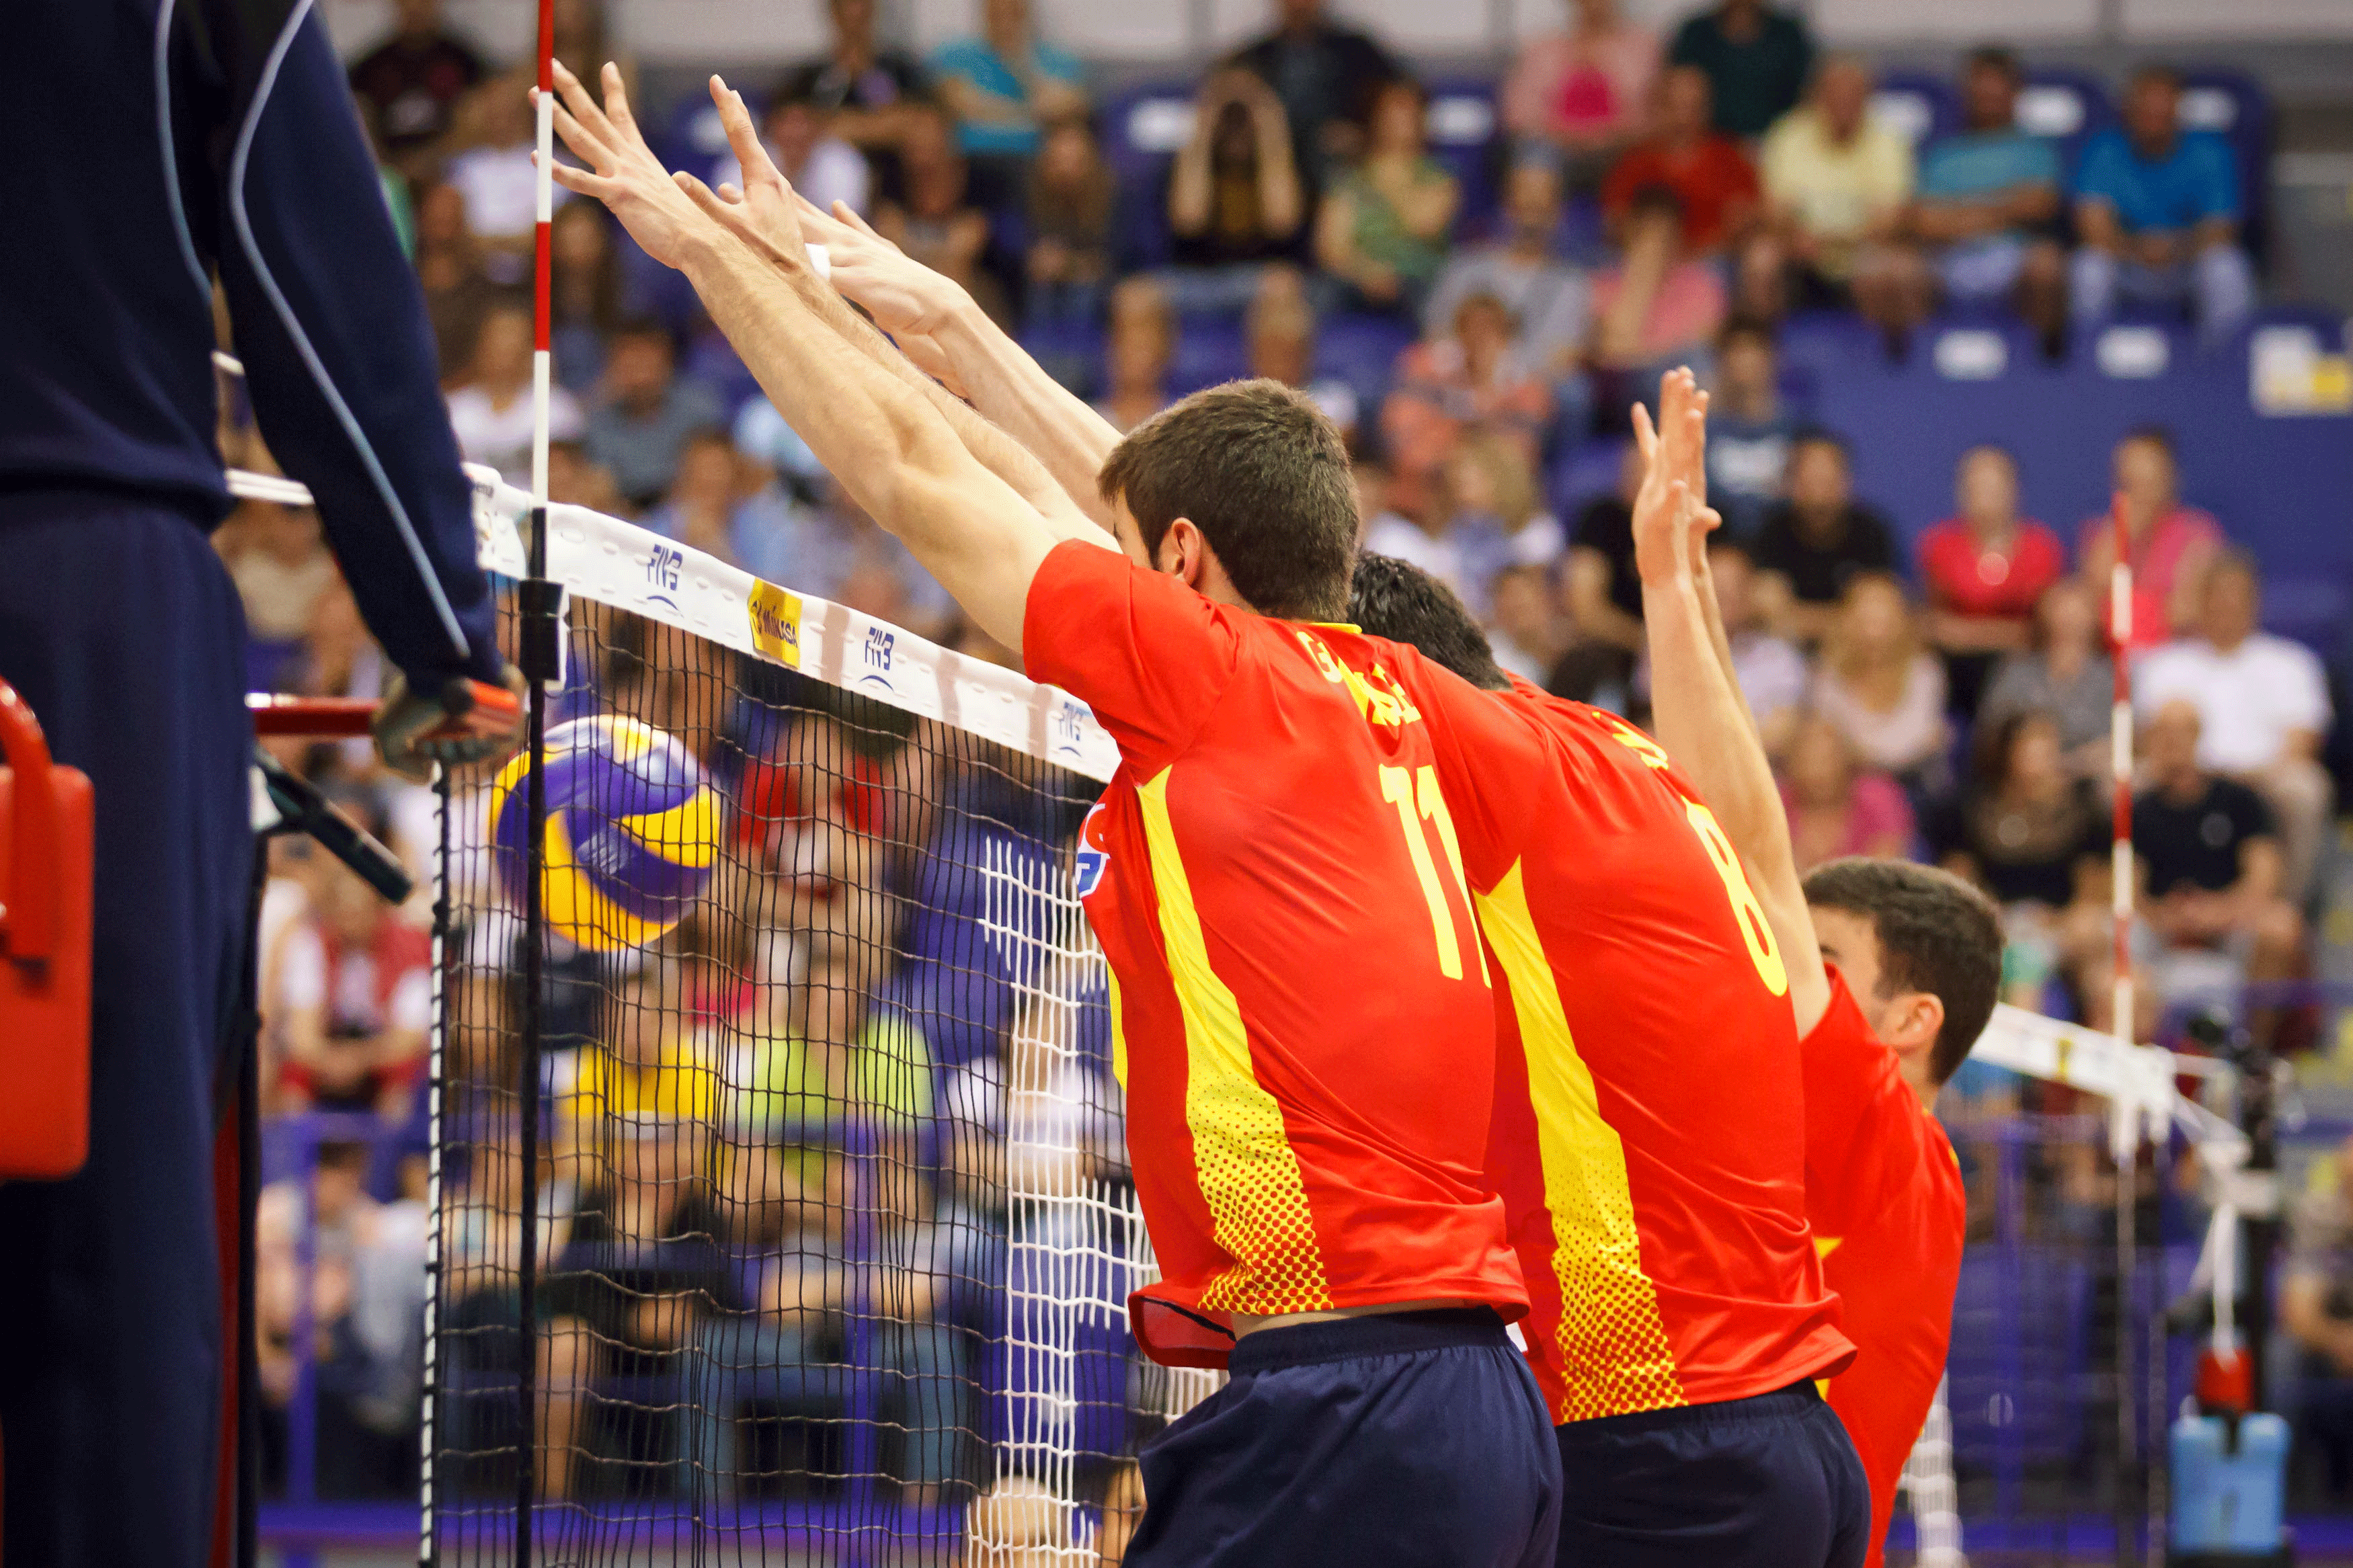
1418,800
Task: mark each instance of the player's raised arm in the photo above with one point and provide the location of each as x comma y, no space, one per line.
881,437
1696,706
952,336
770,212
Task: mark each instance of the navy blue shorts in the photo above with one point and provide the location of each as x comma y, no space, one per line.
1767,1482
1406,1438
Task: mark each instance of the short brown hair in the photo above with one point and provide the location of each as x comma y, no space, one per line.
1264,477
1936,935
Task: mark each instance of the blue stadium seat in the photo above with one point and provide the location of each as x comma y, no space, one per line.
1464,126
1145,125
1922,106
1071,352
1583,474
1208,352
2065,105
691,136
1363,352
1828,342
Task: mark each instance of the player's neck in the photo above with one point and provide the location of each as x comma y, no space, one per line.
1914,1071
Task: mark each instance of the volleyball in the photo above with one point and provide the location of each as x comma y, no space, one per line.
632,831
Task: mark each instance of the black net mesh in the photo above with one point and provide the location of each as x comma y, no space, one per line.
833,1223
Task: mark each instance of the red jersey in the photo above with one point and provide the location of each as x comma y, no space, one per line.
1883,1192
1965,577
1309,1072
1649,1130
1710,177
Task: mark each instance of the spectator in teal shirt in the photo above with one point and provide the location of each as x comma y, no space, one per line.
1004,86
2158,210
1986,198
1757,60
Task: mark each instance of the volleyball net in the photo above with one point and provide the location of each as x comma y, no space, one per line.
822,1151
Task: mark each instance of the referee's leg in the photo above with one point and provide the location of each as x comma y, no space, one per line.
122,630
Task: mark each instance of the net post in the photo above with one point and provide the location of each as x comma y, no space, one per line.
436,1071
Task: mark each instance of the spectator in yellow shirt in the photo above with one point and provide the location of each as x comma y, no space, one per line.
1836,184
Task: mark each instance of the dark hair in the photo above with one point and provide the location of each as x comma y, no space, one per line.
1264,477
1996,58
644,326
1656,197
1936,935
2157,436
1739,327
1818,436
1393,599
2155,71
1989,761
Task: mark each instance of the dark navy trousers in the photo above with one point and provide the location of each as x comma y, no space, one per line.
120,628
1408,1440
1767,1482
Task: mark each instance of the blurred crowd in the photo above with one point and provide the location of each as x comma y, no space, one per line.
776,1141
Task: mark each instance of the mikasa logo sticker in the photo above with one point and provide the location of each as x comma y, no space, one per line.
776,622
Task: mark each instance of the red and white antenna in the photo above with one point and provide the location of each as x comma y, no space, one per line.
2120,746
542,360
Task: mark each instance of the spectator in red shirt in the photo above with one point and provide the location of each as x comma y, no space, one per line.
1984,570
2172,545
1708,170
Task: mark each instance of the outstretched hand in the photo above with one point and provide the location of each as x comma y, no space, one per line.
907,298
622,171
766,210
1671,517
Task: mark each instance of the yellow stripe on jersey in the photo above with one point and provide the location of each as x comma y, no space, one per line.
1118,1031
1615,1358
1241,1154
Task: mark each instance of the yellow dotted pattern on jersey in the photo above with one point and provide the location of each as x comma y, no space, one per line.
1243,1157
1611,1344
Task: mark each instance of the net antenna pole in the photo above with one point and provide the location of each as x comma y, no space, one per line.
436,1107
542,662
2123,1114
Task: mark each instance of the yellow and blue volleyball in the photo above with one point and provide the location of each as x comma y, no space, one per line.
633,830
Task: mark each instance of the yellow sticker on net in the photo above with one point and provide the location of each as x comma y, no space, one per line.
776,622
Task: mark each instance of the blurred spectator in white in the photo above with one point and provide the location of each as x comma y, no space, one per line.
1835,183
1550,301
1326,76
1524,630
1710,174
355,986
1601,588
1382,229
1071,201
1983,206
1137,352
1235,200
491,409
935,220
1985,569
495,175
867,92
1838,807
2263,708
1818,538
2064,671
699,508
1748,429
1498,518
2171,543
414,79
1581,96
1770,670
584,293
1659,306
2159,211
644,412
1880,686
820,165
457,293
1416,527
1756,60
2212,860
1472,380
1280,332
1004,85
